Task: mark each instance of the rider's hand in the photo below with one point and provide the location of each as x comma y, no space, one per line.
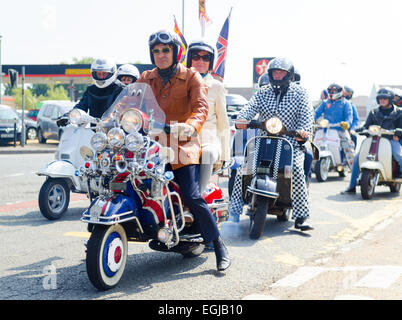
218,165
241,123
62,121
344,125
303,135
182,130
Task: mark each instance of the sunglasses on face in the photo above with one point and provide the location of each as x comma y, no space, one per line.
164,50
197,57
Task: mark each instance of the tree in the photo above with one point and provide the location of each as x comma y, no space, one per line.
83,60
54,93
30,99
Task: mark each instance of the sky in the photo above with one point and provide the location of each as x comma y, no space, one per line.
351,42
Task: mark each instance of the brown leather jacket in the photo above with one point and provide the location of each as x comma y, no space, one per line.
183,99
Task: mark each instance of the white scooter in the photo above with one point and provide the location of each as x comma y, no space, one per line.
327,140
377,167
63,173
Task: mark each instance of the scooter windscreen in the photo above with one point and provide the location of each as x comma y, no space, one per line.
135,97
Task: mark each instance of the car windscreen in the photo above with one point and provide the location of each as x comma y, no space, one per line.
7,114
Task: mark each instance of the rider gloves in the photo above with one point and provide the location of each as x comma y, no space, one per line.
62,121
344,125
182,130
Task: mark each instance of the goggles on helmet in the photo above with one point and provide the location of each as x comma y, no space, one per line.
162,37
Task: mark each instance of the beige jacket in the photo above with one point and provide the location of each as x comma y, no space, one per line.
215,130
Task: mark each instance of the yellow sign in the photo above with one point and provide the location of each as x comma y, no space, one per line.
78,72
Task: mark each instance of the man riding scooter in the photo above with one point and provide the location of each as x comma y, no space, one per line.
338,110
388,117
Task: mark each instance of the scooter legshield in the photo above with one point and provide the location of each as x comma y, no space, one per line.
60,169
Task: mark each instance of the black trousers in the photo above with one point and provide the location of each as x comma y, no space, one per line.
188,180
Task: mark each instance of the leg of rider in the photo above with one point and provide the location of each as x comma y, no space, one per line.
209,157
300,203
354,139
188,179
397,153
353,177
347,146
308,160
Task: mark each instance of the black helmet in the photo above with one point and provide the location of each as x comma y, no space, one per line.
263,80
296,76
349,92
200,45
280,64
164,37
385,93
335,91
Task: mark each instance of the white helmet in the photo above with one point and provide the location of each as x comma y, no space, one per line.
105,65
128,70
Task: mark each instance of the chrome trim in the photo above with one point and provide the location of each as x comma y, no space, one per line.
273,195
114,219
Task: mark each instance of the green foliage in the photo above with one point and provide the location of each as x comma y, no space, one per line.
30,99
54,93
83,60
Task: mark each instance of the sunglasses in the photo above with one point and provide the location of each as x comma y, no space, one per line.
197,57
164,50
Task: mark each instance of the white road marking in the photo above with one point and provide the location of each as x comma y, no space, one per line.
299,277
380,277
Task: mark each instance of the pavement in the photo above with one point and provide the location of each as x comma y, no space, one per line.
31,146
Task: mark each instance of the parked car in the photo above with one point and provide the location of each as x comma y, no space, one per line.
7,118
234,103
33,114
31,130
47,116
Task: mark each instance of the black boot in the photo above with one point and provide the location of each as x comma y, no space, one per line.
222,256
301,224
349,190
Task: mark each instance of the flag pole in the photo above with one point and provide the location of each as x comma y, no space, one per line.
182,16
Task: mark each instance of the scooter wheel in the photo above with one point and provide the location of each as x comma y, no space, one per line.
54,198
257,221
106,256
367,184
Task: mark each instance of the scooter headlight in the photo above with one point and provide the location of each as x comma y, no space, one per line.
374,130
99,141
324,123
131,121
134,141
115,137
274,125
75,116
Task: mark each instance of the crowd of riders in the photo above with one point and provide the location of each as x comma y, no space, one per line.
200,98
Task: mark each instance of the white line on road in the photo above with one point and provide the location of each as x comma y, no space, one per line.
299,277
378,277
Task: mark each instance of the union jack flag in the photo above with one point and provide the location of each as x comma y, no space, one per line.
222,45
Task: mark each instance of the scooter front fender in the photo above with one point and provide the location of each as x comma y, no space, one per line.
110,211
327,153
374,165
60,169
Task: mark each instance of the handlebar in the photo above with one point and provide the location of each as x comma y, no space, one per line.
255,124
